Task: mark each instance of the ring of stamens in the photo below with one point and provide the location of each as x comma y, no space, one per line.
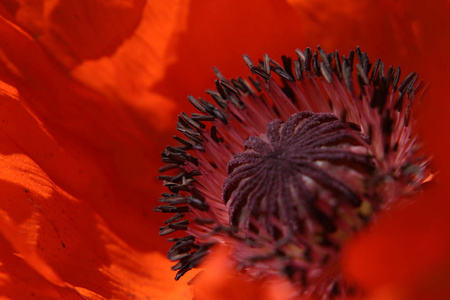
292,202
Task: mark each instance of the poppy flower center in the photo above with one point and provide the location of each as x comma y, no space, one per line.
298,171
285,168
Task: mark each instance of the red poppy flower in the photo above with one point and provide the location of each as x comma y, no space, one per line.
89,91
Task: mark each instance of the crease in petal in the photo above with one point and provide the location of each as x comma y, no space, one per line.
27,224
69,30
131,276
68,246
59,241
129,74
25,247
19,281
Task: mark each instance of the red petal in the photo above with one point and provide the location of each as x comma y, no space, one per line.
399,32
129,74
92,149
55,245
219,33
180,49
70,30
160,46
408,250
123,47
